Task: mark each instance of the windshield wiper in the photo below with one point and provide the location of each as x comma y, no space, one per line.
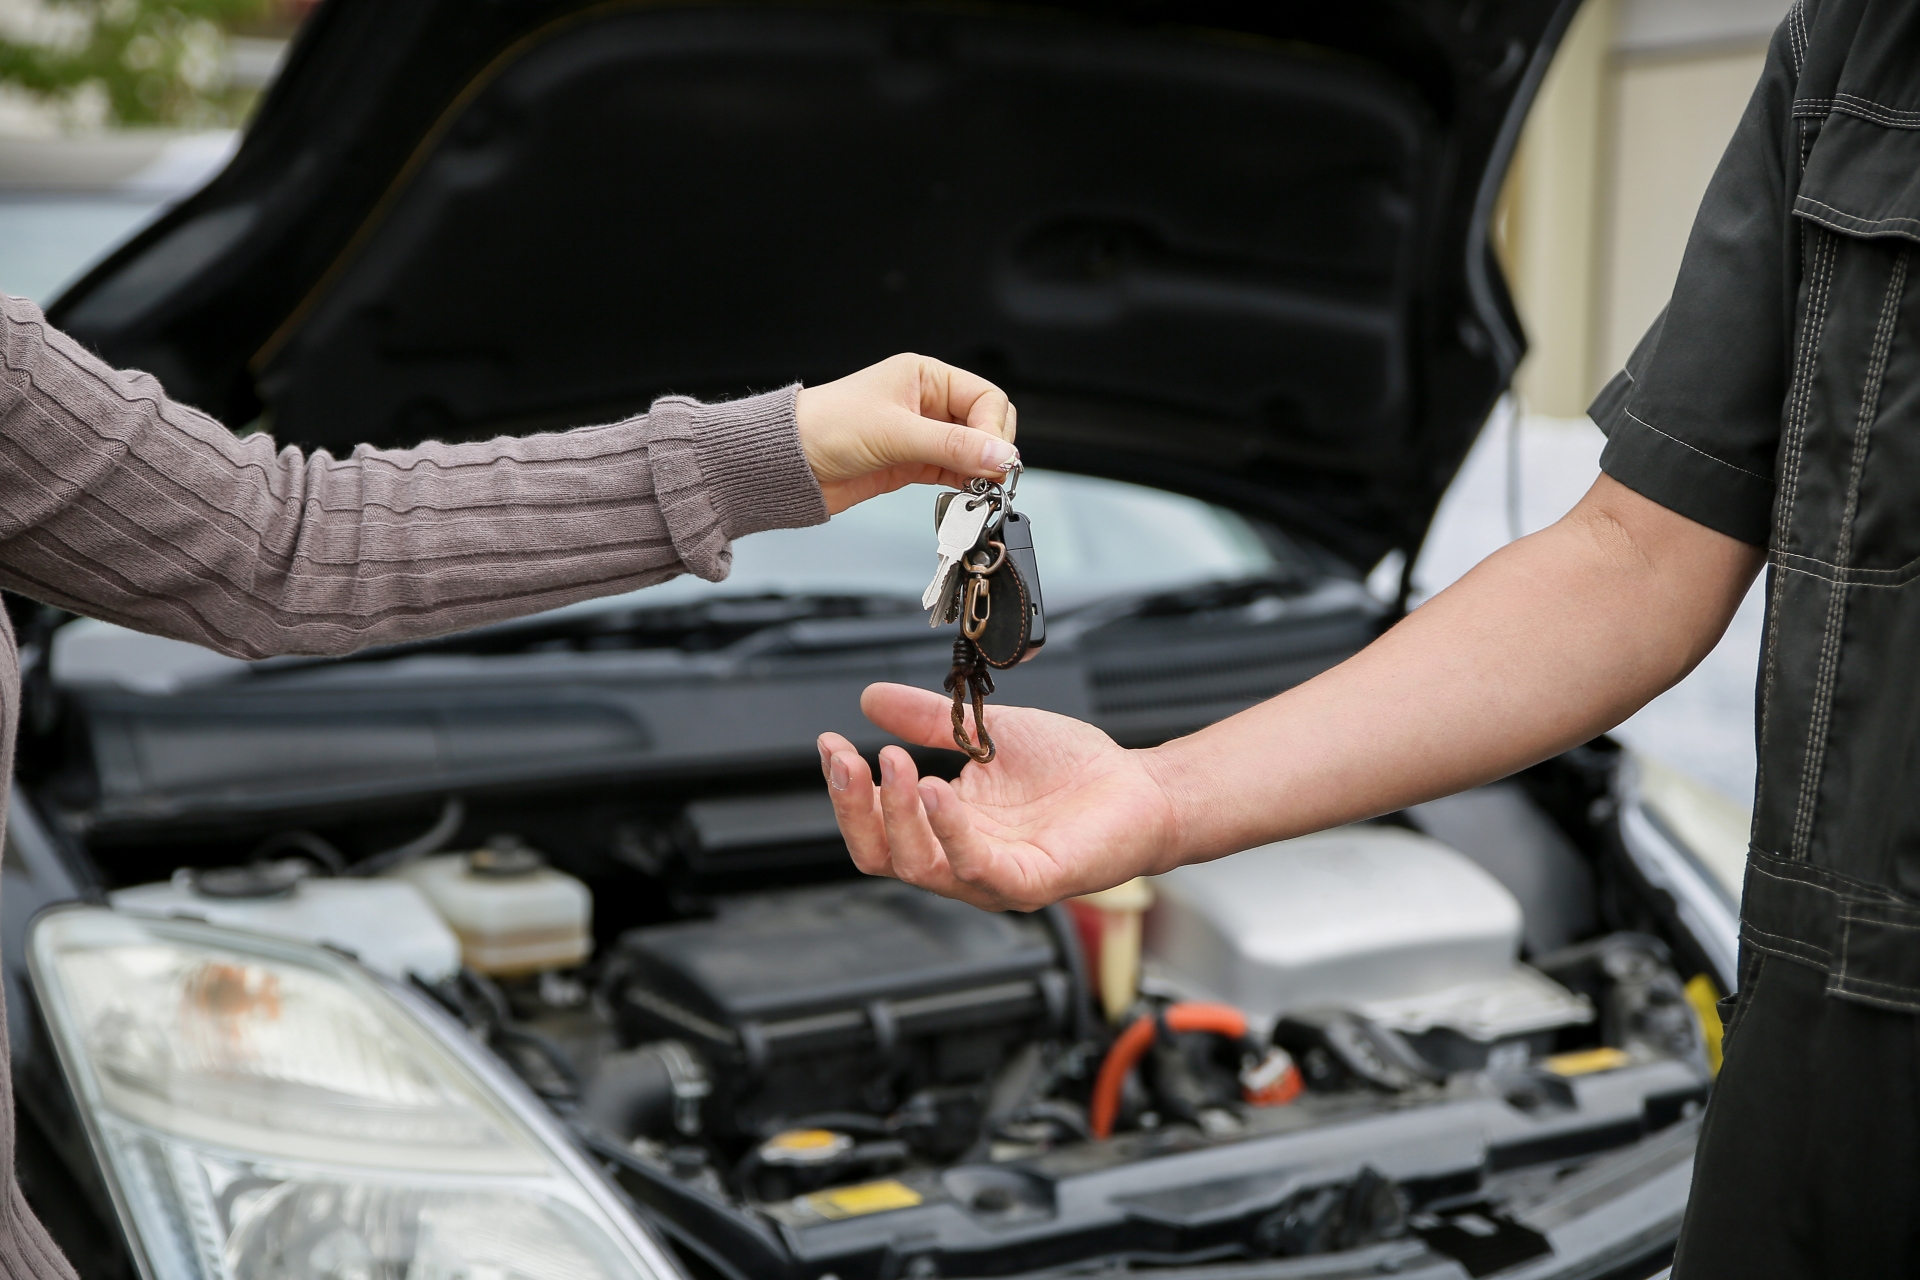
691,626
1200,597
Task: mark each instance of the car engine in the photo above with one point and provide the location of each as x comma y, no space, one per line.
1328,1044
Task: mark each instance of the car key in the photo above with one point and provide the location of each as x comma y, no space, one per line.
959,526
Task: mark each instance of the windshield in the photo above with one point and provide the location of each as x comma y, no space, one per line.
1092,538
47,241
66,202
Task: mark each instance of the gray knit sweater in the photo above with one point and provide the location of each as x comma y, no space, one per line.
117,503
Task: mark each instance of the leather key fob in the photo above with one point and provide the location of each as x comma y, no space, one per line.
1017,624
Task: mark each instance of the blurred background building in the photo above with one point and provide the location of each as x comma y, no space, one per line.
1627,129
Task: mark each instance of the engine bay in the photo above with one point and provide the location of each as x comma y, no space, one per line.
1348,1042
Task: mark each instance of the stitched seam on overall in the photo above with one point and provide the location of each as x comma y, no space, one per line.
1854,984
1783,945
1827,675
1809,948
1823,248
1791,948
1877,112
1823,880
1797,34
1702,452
1881,579
1842,984
1854,222
1848,913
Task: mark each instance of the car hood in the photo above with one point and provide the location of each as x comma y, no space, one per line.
1237,250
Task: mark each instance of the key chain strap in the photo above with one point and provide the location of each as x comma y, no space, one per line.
970,678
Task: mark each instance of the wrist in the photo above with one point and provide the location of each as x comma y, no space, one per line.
1169,768
806,402
756,471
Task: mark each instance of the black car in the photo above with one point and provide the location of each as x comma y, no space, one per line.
533,951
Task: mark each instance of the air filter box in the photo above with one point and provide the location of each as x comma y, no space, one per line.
841,997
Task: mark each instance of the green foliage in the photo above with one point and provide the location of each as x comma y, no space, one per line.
152,61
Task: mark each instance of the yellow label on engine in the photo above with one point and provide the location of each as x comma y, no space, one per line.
867,1197
804,1140
1587,1061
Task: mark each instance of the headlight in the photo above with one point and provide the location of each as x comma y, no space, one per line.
268,1110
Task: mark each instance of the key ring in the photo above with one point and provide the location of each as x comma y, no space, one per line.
987,571
999,491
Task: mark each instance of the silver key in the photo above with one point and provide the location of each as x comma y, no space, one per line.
960,528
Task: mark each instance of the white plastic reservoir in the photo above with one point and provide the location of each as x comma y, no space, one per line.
1347,917
511,912
386,923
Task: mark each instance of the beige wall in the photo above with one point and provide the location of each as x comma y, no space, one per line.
1626,131
1672,117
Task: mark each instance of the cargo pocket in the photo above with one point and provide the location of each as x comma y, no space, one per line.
1862,184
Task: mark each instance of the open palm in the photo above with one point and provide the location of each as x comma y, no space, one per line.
1062,810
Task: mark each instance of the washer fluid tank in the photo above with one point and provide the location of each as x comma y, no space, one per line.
511,911
385,923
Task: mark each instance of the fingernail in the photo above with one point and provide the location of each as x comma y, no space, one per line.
931,799
886,770
826,758
998,455
837,774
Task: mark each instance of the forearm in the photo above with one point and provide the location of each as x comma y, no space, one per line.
1546,644
119,503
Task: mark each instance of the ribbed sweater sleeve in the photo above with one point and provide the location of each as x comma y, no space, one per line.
118,503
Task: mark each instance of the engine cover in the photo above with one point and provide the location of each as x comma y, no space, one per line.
842,997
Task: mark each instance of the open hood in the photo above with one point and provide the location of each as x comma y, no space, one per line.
1234,249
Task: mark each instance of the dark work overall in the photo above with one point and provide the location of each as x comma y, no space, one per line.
1778,401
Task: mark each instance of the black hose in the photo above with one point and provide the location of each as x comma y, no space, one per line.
1066,937
453,814
320,849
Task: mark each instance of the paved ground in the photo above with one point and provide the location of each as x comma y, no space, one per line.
1703,725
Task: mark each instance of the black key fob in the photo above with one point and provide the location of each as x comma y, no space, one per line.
1017,532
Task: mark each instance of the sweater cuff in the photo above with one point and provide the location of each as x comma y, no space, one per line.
756,474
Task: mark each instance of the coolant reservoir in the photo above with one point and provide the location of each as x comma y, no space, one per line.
511,911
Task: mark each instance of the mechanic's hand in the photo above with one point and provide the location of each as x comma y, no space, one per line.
907,420
1062,810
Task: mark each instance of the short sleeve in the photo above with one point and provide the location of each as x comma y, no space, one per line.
1693,422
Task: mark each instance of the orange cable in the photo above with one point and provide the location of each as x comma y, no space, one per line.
1221,1019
